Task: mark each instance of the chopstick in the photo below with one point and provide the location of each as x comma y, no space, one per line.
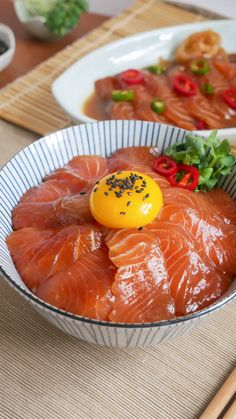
233,148
231,412
221,399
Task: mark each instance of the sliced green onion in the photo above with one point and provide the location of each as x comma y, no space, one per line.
156,69
200,67
122,95
158,105
208,89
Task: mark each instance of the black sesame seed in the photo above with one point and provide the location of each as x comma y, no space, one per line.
95,189
145,196
129,193
122,213
128,184
141,190
97,182
82,193
128,203
118,173
140,177
106,193
140,228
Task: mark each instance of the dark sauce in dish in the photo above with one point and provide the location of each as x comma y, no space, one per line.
3,47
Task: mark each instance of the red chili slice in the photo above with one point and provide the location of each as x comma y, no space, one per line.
189,179
131,77
165,166
201,125
229,97
184,85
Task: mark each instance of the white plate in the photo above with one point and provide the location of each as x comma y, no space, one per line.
76,84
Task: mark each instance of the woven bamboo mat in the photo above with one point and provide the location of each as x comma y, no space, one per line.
28,101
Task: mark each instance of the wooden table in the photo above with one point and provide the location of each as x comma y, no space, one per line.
29,53
29,50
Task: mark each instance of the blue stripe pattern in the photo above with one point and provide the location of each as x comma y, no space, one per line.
29,167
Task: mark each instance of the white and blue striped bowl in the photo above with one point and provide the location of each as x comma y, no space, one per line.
29,167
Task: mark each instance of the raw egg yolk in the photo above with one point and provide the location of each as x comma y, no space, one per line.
125,199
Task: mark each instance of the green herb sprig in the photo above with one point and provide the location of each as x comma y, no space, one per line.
60,15
64,16
211,156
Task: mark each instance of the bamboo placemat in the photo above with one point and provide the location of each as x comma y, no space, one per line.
46,374
28,101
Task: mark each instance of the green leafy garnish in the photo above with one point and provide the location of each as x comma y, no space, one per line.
64,15
60,15
211,156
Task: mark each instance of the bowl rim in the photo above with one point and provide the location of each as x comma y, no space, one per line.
28,295
10,34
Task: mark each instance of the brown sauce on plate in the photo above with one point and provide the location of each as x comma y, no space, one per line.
95,108
205,109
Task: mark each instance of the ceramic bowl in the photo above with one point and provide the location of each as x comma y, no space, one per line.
72,88
28,168
35,25
8,37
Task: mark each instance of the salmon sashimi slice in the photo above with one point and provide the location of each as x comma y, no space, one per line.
211,234
226,68
36,205
217,111
81,172
142,106
84,288
213,77
216,79
223,204
131,155
105,86
146,170
219,83
175,110
216,202
138,159
51,204
73,209
121,110
118,165
141,289
224,110
38,254
194,281
200,108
